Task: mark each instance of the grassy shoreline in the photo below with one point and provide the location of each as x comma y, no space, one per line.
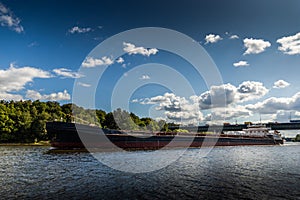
40,143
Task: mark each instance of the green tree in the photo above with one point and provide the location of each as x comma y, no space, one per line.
67,110
6,124
163,126
151,124
297,138
110,122
101,116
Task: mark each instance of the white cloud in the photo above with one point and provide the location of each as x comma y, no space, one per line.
217,96
8,19
223,99
168,101
93,62
7,96
67,73
241,63
15,79
246,91
219,115
185,116
174,107
211,38
77,29
132,49
274,104
255,46
33,44
290,45
3,9
144,77
84,84
250,90
134,101
120,60
60,96
234,37
280,84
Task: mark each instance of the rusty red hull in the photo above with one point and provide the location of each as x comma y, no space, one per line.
69,135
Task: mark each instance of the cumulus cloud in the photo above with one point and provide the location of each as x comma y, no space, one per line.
190,109
184,116
255,46
15,79
241,63
60,96
144,77
223,99
132,49
120,60
250,90
234,112
274,104
211,38
175,107
290,45
67,73
77,29
33,44
168,101
219,115
217,96
280,84
7,96
246,91
134,101
232,37
84,84
90,62
8,19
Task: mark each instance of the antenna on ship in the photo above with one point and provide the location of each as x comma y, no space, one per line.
260,118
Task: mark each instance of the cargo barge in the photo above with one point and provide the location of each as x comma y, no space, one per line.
79,136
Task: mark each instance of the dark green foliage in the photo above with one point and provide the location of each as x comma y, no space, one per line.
25,121
297,138
109,121
101,116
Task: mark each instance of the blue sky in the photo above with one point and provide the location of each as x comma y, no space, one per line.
255,45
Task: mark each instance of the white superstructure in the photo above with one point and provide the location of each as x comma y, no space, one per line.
254,130
257,130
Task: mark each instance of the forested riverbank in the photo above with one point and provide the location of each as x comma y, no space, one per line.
25,121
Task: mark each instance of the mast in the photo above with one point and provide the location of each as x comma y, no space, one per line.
260,118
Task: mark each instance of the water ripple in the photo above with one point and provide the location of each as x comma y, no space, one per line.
269,172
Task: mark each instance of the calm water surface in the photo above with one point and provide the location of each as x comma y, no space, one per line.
249,172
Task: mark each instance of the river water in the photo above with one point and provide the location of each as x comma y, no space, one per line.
246,172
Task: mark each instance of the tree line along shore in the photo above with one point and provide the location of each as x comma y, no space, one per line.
25,121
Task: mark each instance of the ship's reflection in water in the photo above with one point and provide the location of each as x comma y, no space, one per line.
250,172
